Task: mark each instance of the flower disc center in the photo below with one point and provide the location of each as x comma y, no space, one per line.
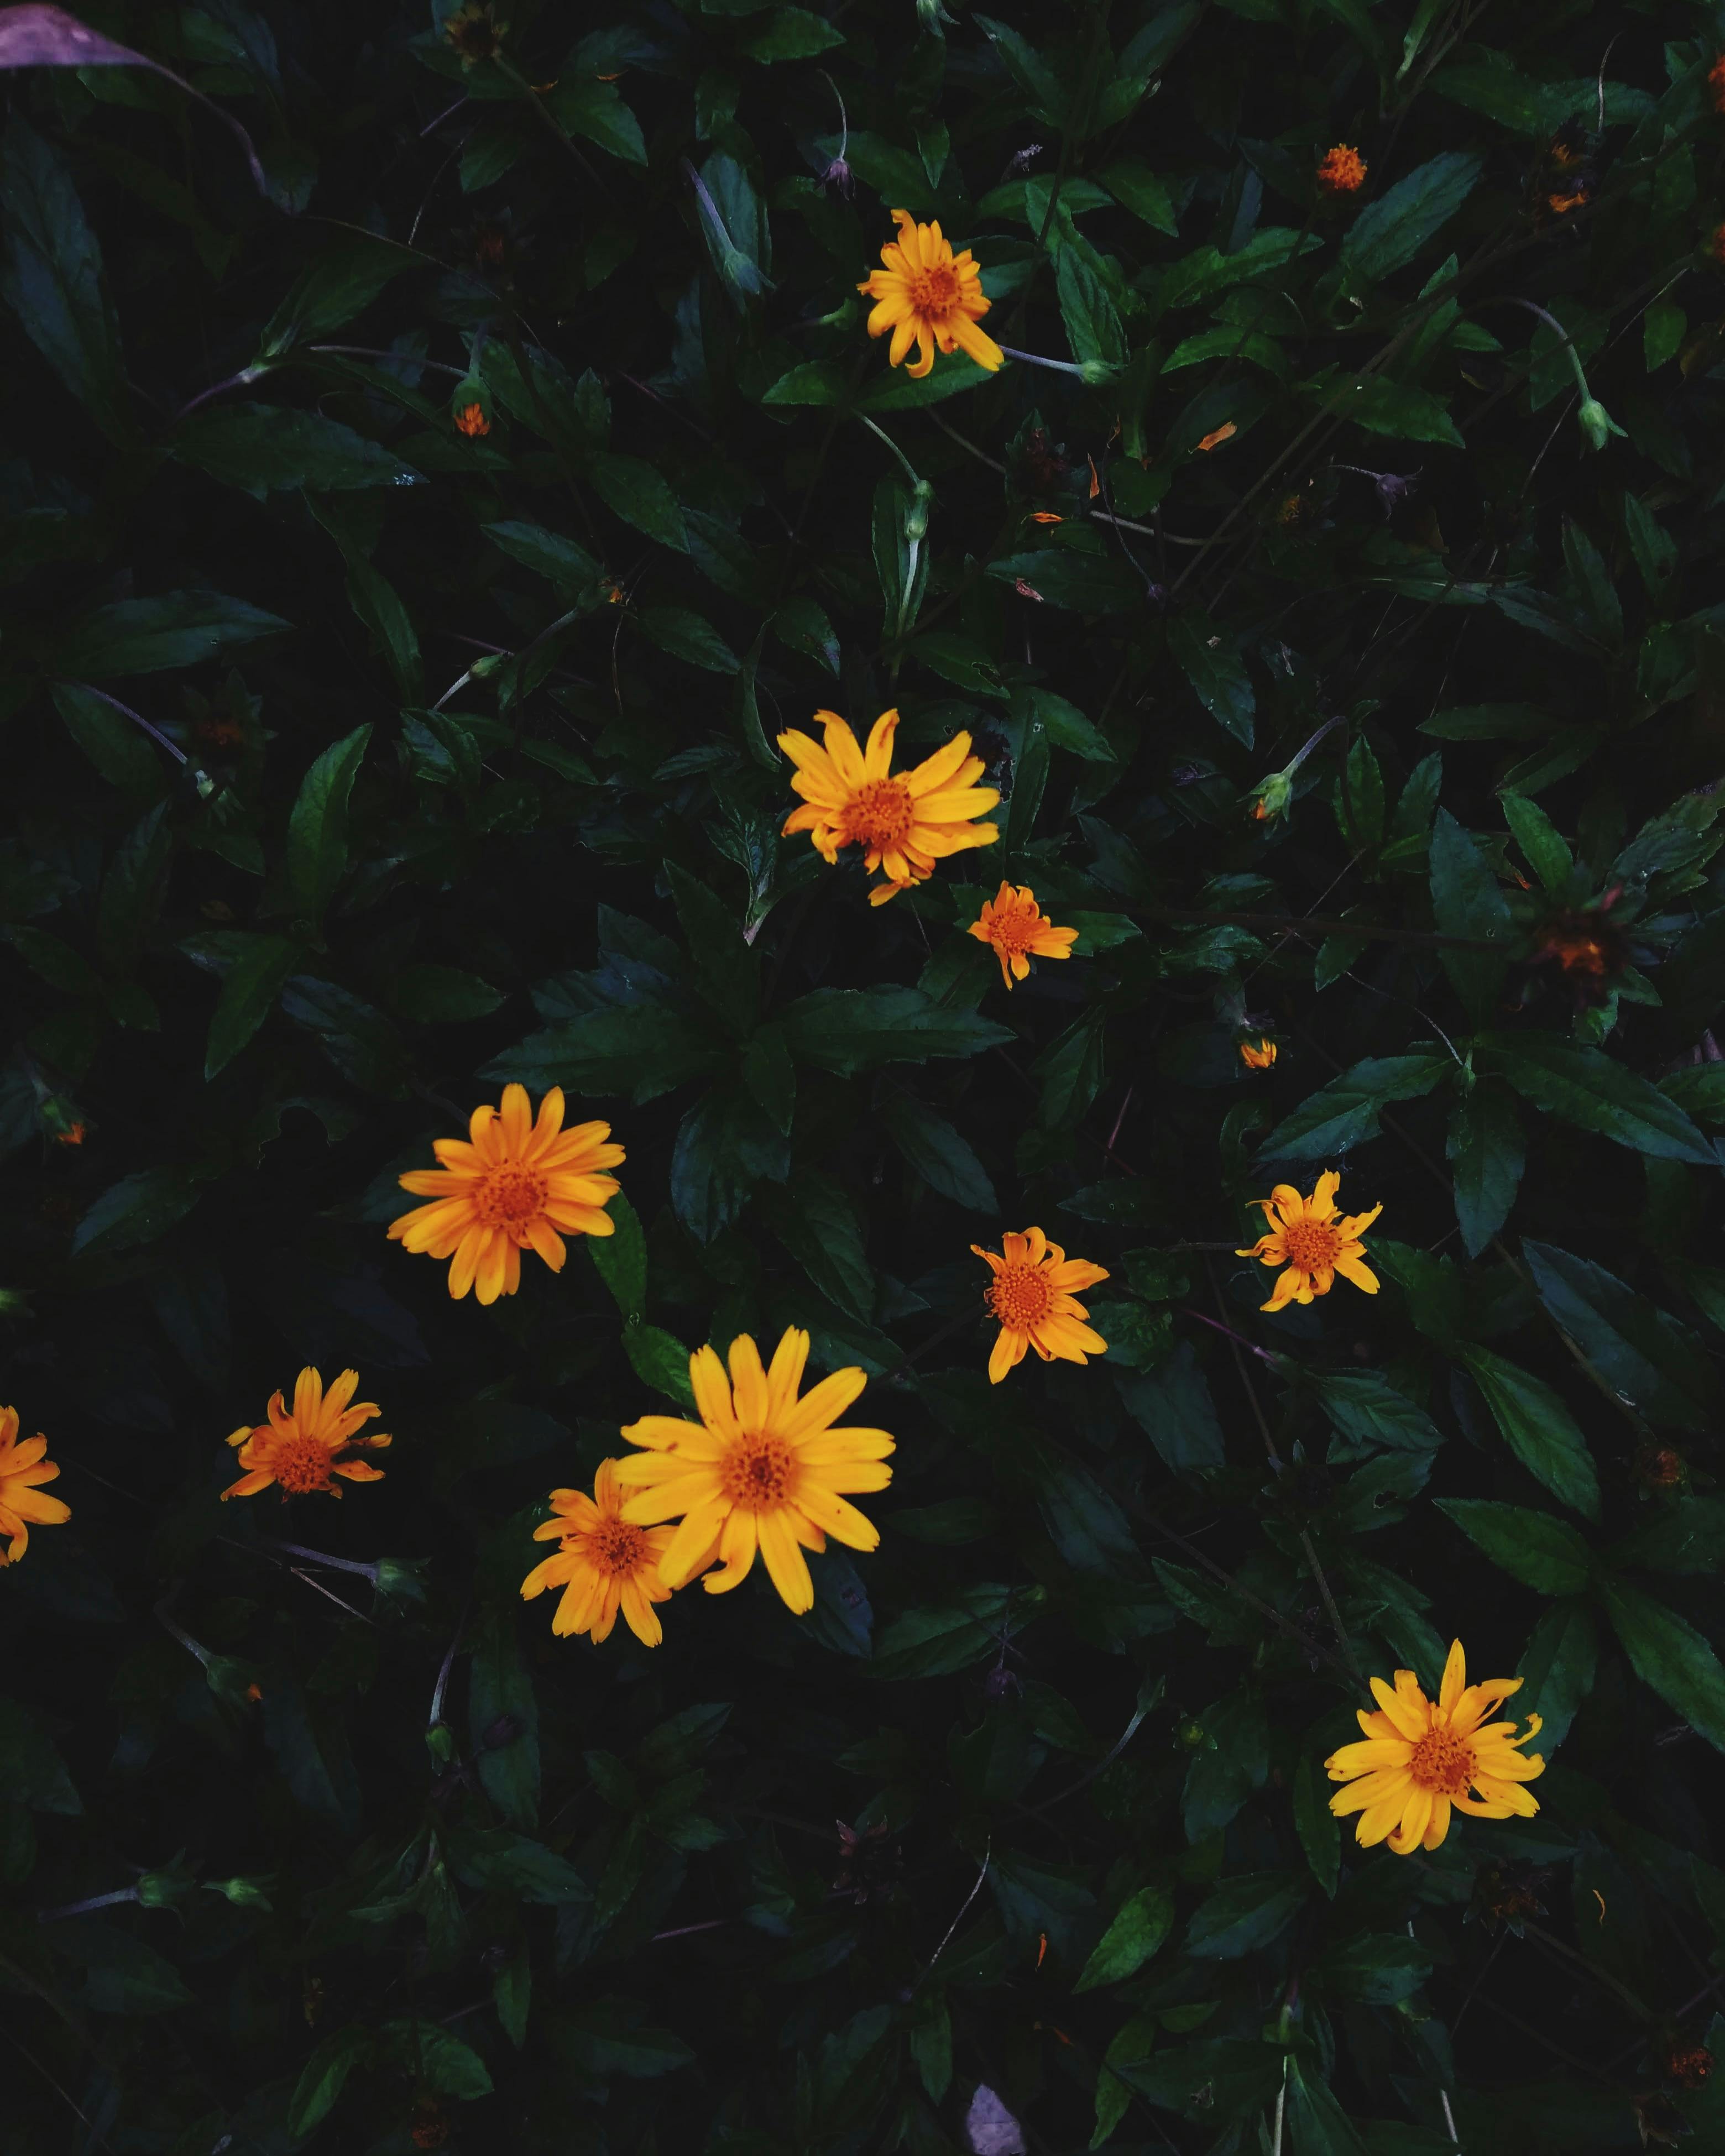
757,1472
1011,932
301,1465
1020,1297
616,1547
509,1197
934,291
1442,1764
878,814
1310,1245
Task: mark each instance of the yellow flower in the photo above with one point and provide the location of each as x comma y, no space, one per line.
905,824
1258,1055
301,1452
1307,1237
1031,1295
604,1564
928,297
513,1186
1014,926
23,1468
1420,1758
761,1470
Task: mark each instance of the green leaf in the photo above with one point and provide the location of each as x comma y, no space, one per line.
1243,1914
1033,74
435,2054
1392,230
658,1359
1173,1407
636,492
1468,903
442,995
1668,1654
32,1771
690,637
250,987
120,750
595,111
140,1209
792,33
1687,1537
1641,1352
1585,1087
571,568
500,1699
1063,577
939,1153
726,971
620,1258
1144,1920
613,2036
1542,1551
1486,1145
52,277
1557,1670
354,1035
348,273
1394,409
1318,1828
725,1146
1377,1969
941,1639
317,829
1369,1411
814,382
323,2077
639,1050
265,448
150,636
848,1031
815,1221
1539,840
503,1862
1210,660
1344,1113
1537,1428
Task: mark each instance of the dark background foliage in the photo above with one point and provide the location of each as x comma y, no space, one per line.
356,762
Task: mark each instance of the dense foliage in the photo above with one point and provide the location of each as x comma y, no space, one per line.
446,452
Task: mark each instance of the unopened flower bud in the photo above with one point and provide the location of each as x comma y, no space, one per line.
916,517
1272,798
1597,424
243,1893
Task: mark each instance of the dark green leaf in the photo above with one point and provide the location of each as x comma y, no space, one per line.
1243,1914
150,636
1345,1112
1585,1087
1540,1550
1393,229
52,280
317,829
1141,1923
1671,1656
1538,1428
265,448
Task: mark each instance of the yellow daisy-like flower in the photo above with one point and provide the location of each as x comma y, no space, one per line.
1420,1758
603,1565
1307,1236
851,797
23,1469
929,296
512,1186
1258,1055
762,1470
1015,927
302,1450
1032,1295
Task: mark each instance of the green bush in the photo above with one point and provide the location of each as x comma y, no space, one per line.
447,471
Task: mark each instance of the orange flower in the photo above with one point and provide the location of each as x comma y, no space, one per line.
23,1468
1031,1295
602,1564
929,296
73,1136
1716,83
1309,1238
904,824
1225,433
1258,1055
1342,172
1014,926
300,1451
471,420
1715,242
1046,516
1561,205
514,1185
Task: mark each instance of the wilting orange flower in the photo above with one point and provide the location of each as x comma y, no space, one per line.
1560,205
929,296
1716,83
904,823
1420,1758
762,1470
471,420
73,1135
301,1450
1306,1236
1031,1293
604,1564
23,1469
514,1185
1046,516
1225,433
1015,927
1342,172
1258,1055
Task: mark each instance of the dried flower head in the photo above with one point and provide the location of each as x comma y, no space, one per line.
473,33
1690,2066
1585,947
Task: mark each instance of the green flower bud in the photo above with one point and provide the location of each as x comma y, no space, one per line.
1597,424
1096,372
916,517
1272,798
398,1576
440,1743
243,1893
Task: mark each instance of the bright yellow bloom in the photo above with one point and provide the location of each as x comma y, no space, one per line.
1014,926
23,1468
514,1186
905,824
1258,1055
603,1565
301,1452
926,296
761,1470
1032,1295
1420,1758
1307,1237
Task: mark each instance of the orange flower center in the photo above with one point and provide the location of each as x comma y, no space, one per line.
1310,1245
616,1547
1010,932
934,292
509,1197
300,1464
757,1474
1579,954
1442,1764
1020,1297
878,814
